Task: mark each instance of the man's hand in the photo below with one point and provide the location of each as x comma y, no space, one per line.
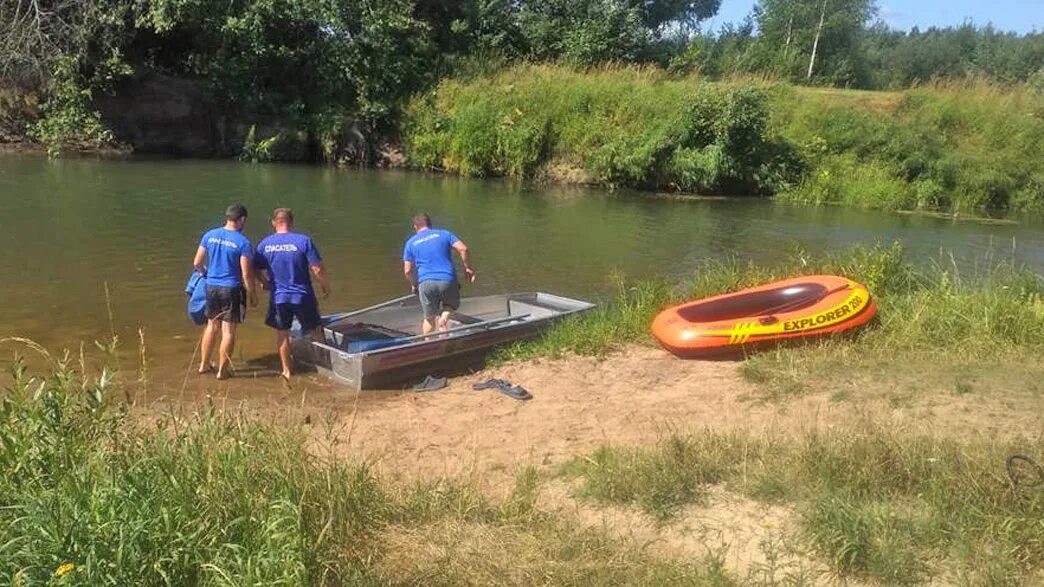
252,297
325,289
470,273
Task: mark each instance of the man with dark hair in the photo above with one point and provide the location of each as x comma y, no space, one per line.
223,257
428,265
283,261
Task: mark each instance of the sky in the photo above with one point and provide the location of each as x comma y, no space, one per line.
1020,16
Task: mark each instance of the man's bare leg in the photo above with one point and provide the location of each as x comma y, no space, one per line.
444,321
283,342
228,343
206,345
427,325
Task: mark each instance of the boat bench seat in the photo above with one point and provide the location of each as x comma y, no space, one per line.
343,336
464,318
534,308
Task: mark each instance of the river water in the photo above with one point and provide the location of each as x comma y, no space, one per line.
74,228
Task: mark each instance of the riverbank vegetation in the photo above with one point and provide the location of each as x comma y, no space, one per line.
967,147
95,490
937,314
92,496
327,79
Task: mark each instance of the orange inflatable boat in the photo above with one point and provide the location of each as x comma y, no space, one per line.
814,305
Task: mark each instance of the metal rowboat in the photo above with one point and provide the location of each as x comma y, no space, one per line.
381,346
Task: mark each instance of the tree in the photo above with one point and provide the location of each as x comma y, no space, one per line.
35,34
292,58
796,35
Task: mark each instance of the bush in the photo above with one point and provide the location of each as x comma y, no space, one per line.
69,120
624,127
972,148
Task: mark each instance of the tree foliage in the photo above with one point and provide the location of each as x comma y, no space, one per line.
321,65
855,50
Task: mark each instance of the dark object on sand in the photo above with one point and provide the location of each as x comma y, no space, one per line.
504,387
430,383
1024,471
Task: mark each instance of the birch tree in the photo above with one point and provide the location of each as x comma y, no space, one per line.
808,39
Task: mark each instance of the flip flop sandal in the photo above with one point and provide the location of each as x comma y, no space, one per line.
430,383
504,387
517,392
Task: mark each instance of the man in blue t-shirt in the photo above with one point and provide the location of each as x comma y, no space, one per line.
428,264
283,261
224,258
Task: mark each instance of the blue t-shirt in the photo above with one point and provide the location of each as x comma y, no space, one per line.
287,257
431,250
224,248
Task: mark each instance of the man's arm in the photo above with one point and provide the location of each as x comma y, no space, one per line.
247,267
411,275
324,280
465,258
199,261
263,278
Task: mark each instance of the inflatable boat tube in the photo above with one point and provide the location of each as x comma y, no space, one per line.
803,307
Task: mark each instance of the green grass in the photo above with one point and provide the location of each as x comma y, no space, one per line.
874,502
91,496
960,147
661,481
206,500
997,312
620,126
970,147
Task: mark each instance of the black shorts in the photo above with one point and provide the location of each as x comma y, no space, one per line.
438,296
227,304
281,316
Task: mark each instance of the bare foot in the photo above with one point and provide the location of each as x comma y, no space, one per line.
285,375
204,369
222,375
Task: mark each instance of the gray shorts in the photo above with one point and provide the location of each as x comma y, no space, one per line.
438,296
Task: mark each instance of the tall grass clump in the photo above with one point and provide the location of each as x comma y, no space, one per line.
874,501
960,147
619,126
86,498
891,505
448,535
661,480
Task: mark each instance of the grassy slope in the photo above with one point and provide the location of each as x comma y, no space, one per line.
968,147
